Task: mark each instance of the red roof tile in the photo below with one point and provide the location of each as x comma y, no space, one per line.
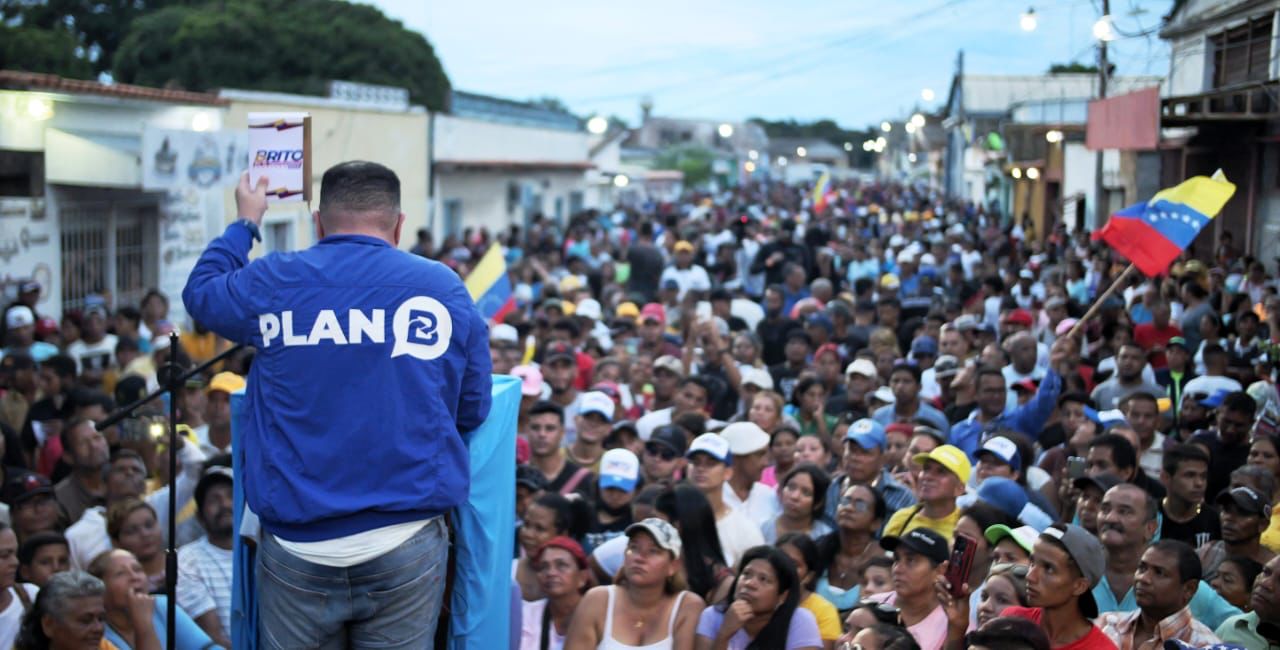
19,80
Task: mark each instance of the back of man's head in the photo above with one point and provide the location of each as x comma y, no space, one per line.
359,194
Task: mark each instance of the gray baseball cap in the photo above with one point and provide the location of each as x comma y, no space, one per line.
1087,552
662,532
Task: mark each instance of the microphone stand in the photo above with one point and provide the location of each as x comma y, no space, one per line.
175,378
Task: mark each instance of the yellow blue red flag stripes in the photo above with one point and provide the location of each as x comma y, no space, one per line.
490,287
1153,234
820,192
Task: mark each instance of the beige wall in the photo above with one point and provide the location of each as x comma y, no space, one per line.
395,139
484,196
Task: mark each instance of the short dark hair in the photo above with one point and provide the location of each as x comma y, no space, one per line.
1122,452
129,313
1189,567
990,371
359,186
62,365
547,406
567,325
1175,455
1240,402
1009,633
1139,395
903,366
33,544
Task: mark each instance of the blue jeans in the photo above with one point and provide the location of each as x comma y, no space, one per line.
391,601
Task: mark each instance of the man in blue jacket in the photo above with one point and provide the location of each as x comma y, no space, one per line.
992,414
372,369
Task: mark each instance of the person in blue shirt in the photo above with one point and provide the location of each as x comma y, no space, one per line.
992,414
136,620
1127,524
372,370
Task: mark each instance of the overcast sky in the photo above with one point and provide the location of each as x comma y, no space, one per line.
856,61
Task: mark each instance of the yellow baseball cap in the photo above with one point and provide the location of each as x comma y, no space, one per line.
627,310
684,247
950,457
227,382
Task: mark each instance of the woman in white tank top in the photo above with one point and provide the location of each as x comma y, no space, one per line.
647,607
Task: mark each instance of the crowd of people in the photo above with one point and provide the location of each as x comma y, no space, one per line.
753,421
85,515
747,421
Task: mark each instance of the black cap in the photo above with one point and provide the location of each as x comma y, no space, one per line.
24,486
212,476
559,350
1103,482
672,437
1245,498
530,477
924,541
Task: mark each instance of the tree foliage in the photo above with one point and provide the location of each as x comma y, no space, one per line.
694,161
34,49
280,45
86,31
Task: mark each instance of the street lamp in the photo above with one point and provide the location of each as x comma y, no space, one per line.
1103,30
927,94
917,120
753,154
848,146
801,152
1028,20
1033,173
782,161
886,126
750,167
910,127
868,145
597,125
725,130
39,109
1053,136
911,157
621,180
1015,173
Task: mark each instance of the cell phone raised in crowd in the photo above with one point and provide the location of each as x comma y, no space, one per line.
1075,467
960,564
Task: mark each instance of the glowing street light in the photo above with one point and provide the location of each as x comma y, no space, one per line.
597,125
910,127
201,122
782,161
753,154
848,146
1053,136
868,145
1015,172
886,126
621,180
927,94
917,120
1033,173
750,167
801,152
1027,21
911,157
881,143
1103,30
39,109
725,130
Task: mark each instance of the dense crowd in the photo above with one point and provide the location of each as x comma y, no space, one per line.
747,421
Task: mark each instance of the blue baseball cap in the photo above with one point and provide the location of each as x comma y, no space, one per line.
924,345
1215,400
866,433
1004,494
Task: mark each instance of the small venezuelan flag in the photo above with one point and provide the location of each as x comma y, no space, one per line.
820,192
490,287
1153,234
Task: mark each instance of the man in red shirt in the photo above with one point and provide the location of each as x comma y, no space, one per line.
1154,336
1067,562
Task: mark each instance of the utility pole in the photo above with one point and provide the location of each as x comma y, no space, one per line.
1100,209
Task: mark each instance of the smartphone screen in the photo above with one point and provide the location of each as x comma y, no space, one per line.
960,563
1075,467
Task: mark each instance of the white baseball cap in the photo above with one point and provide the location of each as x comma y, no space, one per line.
758,377
745,438
713,445
588,308
619,468
597,402
862,367
19,316
505,333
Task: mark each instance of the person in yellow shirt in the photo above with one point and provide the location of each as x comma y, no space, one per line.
803,551
1264,452
945,472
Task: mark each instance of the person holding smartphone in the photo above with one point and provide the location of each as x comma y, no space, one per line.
919,561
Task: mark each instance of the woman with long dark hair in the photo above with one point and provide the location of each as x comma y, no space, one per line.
804,553
689,511
550,515
762,609
802,494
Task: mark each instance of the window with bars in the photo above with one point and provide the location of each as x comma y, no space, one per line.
1242,53
108,249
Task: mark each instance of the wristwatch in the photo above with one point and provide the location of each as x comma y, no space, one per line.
253,227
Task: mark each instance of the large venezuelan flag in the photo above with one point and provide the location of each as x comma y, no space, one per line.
1153,234
490,287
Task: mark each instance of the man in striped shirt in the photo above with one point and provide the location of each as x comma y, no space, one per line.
204,566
